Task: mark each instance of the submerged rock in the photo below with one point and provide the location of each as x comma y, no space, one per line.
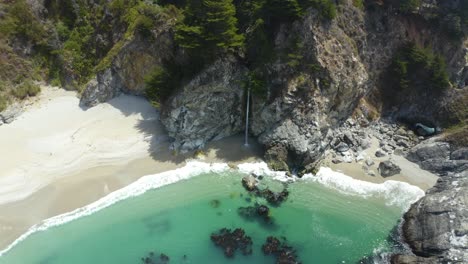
388,168
231,241
249,183
283,253
152,258
275,198
261,212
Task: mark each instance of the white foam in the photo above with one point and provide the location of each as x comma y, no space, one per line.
395,193
193,168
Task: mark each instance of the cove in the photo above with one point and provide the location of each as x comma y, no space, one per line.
321,223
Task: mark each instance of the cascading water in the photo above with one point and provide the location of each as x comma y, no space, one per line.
247,119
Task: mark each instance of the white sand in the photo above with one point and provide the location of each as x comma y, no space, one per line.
55,138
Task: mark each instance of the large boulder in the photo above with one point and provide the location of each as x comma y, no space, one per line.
209,107
388,168
437,225
429,149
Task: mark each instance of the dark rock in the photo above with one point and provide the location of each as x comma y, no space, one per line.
407,259
249,183
215,203
429,150
231,241
460,154
380,153
274,198
283,253
436,226
151,258
342,147
443,167
255,212
388,168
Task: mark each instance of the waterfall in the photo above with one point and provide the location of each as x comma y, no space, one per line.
247,119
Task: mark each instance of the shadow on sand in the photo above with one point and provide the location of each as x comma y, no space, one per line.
231,149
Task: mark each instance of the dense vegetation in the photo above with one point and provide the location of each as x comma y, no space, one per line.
70,43
415,68
214,28
449,17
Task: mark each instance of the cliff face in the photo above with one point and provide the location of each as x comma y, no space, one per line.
345,63
436,226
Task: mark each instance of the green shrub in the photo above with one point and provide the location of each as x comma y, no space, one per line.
25,89
159,84
3,103
408,6
256,83
359,4
326,8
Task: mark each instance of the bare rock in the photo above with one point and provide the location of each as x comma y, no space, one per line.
388,168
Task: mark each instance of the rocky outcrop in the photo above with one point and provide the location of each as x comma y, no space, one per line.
10,113
209,107
437,156
128,68
304,105
388,168
436,227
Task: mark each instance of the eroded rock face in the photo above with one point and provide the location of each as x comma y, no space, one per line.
210,107
137,58
307,103
436,226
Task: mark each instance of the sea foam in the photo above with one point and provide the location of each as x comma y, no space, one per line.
193,168
395,193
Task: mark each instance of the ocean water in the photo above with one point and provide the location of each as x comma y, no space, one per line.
322,222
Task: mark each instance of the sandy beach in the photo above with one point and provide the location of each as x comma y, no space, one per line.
57,157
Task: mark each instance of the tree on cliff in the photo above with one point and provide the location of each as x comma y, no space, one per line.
209,26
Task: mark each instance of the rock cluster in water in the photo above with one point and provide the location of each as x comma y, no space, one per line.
250,183
283,253
152,258
231,241
261,212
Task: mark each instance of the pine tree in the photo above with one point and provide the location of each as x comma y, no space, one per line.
209,26
221,24
283,9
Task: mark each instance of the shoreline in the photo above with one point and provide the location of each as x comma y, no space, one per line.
87,183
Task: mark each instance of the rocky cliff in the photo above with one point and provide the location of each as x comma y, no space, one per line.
436,227
324,72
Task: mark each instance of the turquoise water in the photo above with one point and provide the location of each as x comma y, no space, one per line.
322,224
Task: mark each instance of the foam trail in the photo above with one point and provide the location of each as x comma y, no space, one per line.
193,168
395,193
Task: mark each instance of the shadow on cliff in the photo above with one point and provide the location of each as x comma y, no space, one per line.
231,149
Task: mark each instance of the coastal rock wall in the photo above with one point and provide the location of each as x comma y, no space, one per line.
209,107
135,59
436,227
